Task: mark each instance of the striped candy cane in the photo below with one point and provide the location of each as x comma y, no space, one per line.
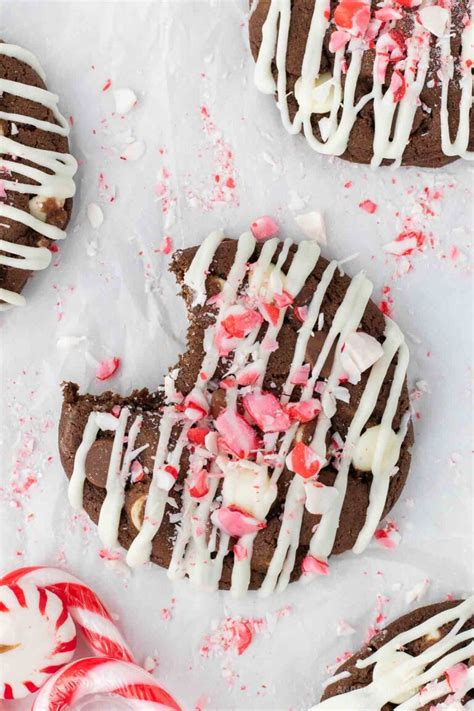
83,605
37,637
93,676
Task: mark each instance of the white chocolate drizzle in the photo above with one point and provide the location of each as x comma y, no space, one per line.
52,172
200,548
394,110
419,679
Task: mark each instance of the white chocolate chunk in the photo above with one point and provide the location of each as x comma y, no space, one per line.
36,206
364,451
389,666
247,486
320,97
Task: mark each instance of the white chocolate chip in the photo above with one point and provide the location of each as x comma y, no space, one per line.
36,206
318,100
137,511
364,451
247,486
433,636
389,666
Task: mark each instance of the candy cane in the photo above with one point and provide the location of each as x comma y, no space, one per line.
83,605
93,676
37,637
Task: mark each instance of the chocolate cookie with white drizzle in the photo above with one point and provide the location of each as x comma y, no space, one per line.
36,172
371,82
281,436
424,660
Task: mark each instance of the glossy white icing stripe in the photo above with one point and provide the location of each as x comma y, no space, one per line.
384,467
347,318
52,171
323,539
195,276
140,549
408,676
198,563
302,264
95,422
397,117
117,475
393,115
460,144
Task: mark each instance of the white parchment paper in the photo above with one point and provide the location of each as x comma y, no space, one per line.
216,155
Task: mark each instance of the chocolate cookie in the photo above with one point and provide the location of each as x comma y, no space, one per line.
281,436
369,81
424,660
36,172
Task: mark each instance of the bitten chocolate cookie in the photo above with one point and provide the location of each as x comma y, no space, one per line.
281,436
36,172
369,81
424,660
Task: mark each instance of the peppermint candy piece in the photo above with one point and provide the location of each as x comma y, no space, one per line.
37,637
236,523
360,351
103,678
84,606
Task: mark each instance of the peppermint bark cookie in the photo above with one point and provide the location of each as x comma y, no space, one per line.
36,172
281,436
371,82
424,660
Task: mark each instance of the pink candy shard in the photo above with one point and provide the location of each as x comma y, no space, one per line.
137,471
353,16
301,375
283,300
398,86
107,368
338,40
241,321
235,522
385,14
304,411
388,537
239,437
455,676
240,552
265,409
312,565
199,486
264,227
304,461
368,206
271,312
249,374
195,405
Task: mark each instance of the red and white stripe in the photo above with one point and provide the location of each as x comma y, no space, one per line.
93,677
37,637
83,605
